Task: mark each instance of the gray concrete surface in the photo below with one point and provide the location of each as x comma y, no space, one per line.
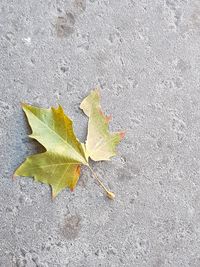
145,57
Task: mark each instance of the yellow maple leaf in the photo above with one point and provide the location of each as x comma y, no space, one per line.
59,165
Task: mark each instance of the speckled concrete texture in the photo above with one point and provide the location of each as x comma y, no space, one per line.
145,58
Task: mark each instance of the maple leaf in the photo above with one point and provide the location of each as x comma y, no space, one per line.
100,143
59,165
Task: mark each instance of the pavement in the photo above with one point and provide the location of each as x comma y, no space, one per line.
145,58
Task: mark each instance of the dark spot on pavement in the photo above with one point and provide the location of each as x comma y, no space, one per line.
65,25
71,226
80,5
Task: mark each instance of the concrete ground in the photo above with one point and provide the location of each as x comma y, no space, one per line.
145,58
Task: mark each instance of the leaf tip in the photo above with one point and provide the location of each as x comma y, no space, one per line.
108,118
14,176
122,135
23,104
60,108
53,195
97,91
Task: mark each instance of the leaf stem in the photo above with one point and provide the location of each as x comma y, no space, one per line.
109,194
